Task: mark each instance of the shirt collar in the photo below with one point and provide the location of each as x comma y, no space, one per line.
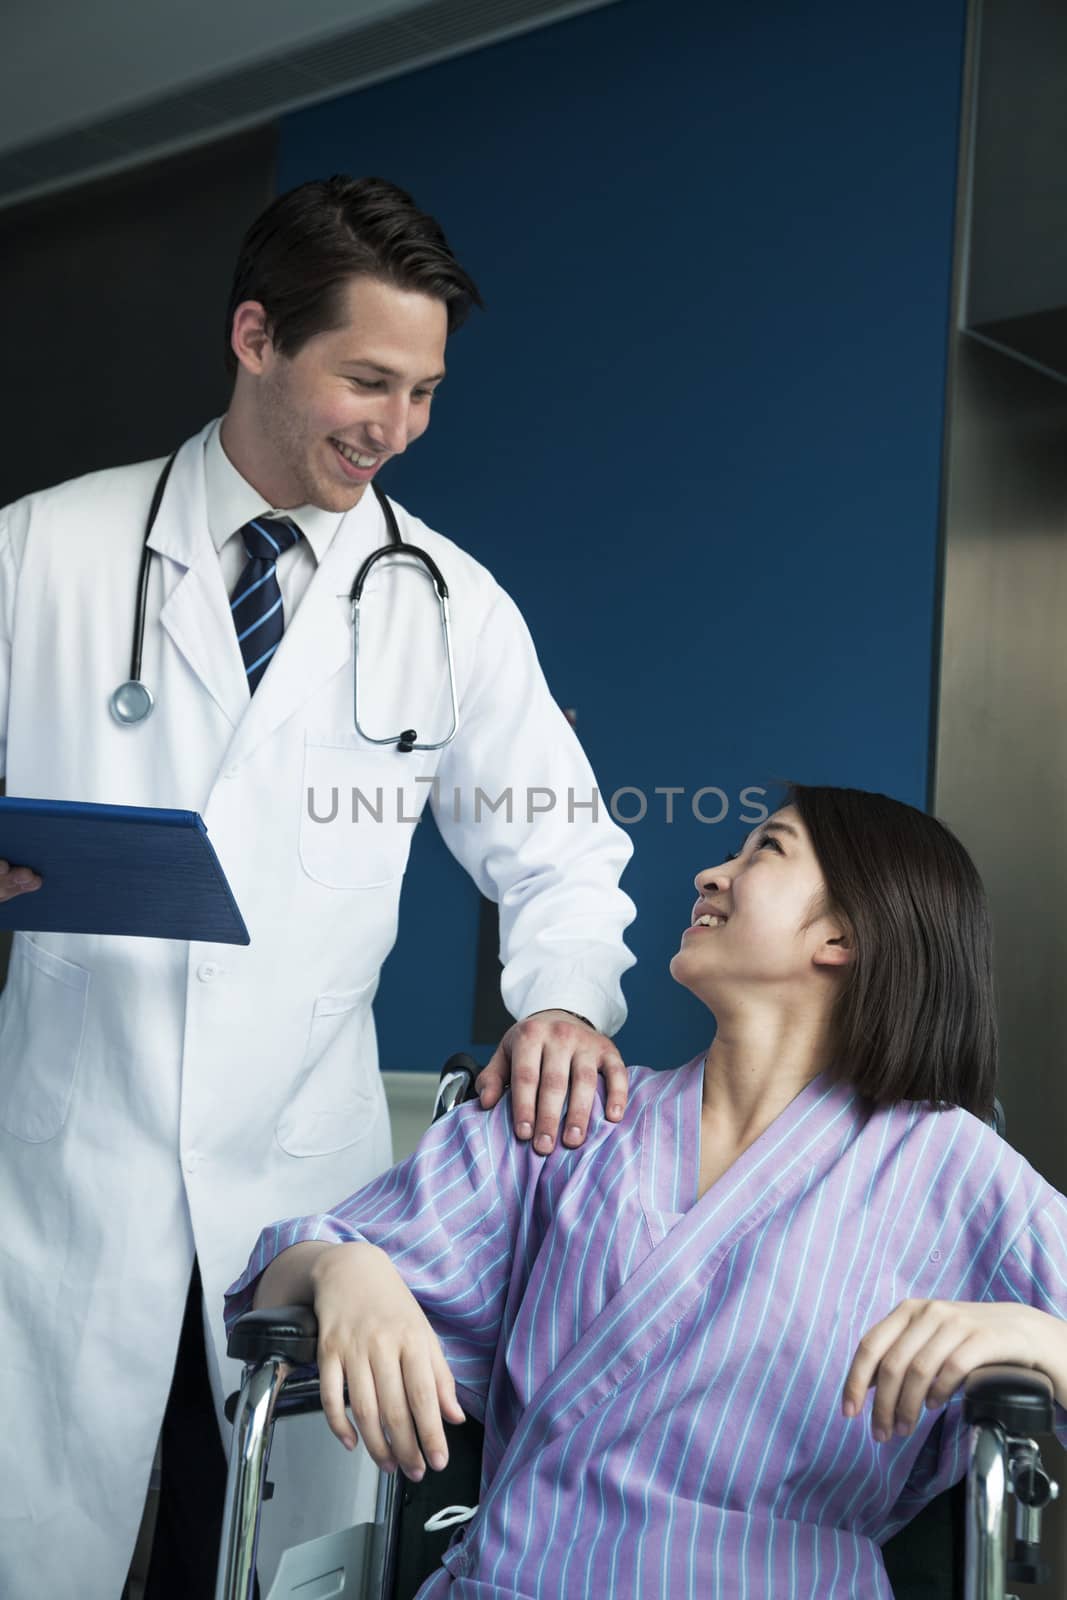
232,501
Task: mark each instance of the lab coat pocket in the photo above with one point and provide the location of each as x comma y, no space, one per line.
339,1091
42,1024
359,807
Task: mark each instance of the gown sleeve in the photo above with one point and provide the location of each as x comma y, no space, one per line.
448,1218
1032,1271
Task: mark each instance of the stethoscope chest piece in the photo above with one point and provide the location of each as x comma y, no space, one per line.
131,702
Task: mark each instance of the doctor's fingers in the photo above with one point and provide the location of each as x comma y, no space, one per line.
540,1082
493,1079
584,1069
16,880
616,1082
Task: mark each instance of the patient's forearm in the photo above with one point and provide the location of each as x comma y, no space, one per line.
287,1281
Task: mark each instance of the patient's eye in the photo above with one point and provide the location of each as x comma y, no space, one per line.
768,838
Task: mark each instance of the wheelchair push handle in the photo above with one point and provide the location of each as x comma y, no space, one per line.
455,1083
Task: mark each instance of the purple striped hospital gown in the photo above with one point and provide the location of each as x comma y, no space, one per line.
660,1377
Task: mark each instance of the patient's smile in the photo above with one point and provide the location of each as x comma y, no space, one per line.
704,923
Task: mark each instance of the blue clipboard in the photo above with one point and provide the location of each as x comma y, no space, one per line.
134,870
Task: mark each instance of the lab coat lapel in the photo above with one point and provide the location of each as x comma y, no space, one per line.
689,1247
317,643
196,608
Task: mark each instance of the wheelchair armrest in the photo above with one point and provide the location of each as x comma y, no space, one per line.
288,1332
1020,1399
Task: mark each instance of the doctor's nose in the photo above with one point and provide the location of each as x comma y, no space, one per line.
389,430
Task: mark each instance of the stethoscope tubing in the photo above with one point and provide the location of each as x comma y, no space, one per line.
142,577
132,701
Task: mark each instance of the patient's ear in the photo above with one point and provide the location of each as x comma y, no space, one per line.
837,951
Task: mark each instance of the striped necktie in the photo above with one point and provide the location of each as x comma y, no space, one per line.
256,606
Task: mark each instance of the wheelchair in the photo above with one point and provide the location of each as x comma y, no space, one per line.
390,1558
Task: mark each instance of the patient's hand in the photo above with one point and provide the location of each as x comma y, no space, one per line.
546,1056
924,1349
373,1334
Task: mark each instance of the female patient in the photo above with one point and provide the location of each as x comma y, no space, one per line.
717,1348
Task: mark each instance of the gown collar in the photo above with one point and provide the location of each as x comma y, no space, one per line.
780,1158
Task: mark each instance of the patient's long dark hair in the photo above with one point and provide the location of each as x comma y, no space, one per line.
916,1018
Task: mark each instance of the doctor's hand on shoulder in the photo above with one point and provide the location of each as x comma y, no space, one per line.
548,1056
16,880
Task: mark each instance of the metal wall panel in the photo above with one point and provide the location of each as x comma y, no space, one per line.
1000,772
1002,728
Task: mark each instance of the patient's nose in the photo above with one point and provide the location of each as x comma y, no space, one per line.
711,880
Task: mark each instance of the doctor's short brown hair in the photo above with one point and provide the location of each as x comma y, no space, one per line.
298,255
916,1017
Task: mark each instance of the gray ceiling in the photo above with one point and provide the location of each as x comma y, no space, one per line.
87,89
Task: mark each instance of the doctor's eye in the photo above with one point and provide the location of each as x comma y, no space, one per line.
377,383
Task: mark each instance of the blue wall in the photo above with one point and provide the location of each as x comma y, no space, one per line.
698,433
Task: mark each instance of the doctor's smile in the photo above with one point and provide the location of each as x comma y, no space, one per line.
357,463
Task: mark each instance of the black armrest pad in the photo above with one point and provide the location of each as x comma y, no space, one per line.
1020,1399
290,1332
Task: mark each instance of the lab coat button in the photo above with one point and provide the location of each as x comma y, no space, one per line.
190,1161
207,970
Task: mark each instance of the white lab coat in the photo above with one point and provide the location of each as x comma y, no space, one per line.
159,1098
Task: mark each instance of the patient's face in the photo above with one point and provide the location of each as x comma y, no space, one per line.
771,935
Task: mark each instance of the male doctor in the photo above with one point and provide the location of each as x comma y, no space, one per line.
161,1101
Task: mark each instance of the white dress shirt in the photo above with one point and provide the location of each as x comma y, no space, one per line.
232,501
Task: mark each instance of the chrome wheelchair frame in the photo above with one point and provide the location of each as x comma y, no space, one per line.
1004,1406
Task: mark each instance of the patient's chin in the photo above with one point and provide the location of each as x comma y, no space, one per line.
691,974
697,975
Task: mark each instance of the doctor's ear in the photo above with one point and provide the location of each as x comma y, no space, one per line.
250,336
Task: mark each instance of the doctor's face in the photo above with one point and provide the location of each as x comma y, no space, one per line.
360,392
769,930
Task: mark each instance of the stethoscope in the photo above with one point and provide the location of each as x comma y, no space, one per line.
132,701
